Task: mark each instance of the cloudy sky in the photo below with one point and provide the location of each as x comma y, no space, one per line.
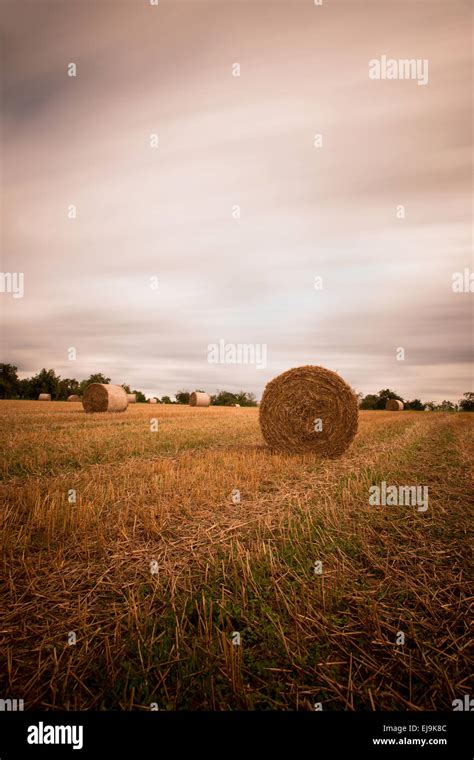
166,214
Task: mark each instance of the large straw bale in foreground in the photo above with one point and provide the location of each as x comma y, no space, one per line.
309,409
394,405
73,397
199,399
44,397
132,398
99,397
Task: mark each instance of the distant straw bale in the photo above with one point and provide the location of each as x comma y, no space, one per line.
44,397
199,399
394,405
99,397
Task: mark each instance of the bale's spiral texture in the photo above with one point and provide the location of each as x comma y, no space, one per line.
394,405
309,409
99,397
73,398
199,399
44,397
132,398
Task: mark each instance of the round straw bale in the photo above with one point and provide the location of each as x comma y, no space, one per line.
99,397
199,399
151,401
44,397
394,405
73,398
132,398
309,409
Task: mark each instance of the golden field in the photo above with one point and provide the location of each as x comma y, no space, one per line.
165,497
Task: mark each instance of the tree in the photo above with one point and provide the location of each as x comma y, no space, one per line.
447,406
224,398
126,388
466,404
245,398
67,387
369,401
97,378
228,398
182,397
141,398
166,400
46,381
416,405
25,389
9,381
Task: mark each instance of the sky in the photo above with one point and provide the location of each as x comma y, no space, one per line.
219,233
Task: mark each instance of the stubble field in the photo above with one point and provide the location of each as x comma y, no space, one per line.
157,566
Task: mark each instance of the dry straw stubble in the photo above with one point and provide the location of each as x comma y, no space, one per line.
309,409
99,397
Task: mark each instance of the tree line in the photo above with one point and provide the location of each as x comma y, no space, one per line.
47,381
378,401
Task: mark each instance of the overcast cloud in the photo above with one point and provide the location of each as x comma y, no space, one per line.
306,211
